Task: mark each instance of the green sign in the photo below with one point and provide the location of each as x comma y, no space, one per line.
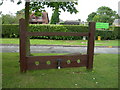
102,25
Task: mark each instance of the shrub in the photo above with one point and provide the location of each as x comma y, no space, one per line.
117,32
105,35
57,28
11,30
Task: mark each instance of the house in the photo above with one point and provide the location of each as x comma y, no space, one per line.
39,19
116,22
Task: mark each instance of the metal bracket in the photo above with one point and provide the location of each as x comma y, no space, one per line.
59,63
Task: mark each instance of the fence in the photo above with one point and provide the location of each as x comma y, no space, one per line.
56,61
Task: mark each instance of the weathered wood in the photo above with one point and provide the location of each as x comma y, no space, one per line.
22,49
90,47
53,59
27,62
56,34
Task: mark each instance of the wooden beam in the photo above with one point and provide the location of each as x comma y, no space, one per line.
90,48
22,49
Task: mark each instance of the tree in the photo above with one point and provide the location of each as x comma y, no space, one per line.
54,18
19,14
26,22
91,16
11,19
103,14
8,19
103,18
56,6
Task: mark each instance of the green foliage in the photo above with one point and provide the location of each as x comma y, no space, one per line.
103,14
8,19
38,7
10,30
20,13
2,1
13,31
105,35
117,32
109,34
54,18
58,28
91,16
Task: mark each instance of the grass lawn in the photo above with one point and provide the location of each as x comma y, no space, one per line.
60,42
104,74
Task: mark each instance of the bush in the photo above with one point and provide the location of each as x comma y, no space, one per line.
105,35
47,28
9,31
57,28
117,32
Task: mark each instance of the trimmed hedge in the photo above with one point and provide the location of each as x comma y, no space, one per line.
117,32
58,28
12,31
106,35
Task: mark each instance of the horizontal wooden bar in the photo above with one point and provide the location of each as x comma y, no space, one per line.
56,34
54,66
53,59
56,56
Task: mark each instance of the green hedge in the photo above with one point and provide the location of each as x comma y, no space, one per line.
105,35
9,31
117,32
58,28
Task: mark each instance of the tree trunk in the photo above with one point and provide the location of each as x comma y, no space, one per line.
27,27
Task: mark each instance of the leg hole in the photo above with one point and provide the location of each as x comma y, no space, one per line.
78,61
48,62
68,61
37,63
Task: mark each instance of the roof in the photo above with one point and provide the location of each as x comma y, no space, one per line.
44,18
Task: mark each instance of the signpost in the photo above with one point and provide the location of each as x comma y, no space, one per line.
102,25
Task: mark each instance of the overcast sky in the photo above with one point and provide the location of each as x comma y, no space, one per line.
85,7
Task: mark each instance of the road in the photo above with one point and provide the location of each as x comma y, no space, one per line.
59,49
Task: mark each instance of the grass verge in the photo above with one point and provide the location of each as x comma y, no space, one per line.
60,42
104,74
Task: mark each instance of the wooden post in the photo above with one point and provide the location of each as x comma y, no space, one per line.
90,48
22,48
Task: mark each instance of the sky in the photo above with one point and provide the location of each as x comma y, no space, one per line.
85,7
